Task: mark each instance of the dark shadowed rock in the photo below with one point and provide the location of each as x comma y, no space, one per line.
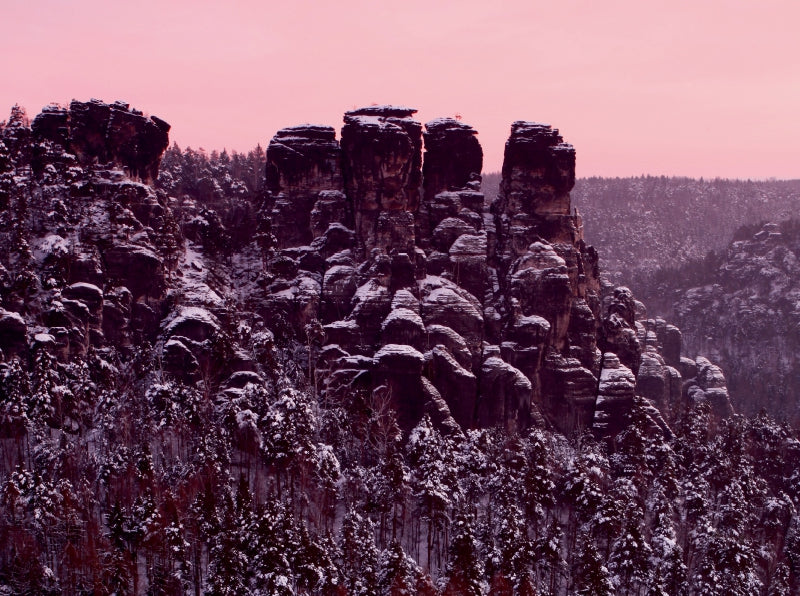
398,369
445,303
382,166
116,316
303,162
403,326
538,173
178,359
88,294
52,124
194,323
455,382
13,333
137,268
568,392
97,132
452,157
538,170
505,394
453,161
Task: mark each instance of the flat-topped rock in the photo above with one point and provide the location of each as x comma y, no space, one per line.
97,132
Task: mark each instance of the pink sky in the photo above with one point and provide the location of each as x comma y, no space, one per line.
696,88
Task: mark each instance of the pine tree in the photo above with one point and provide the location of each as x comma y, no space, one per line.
464,567
271,548
288,431
397,572
666,559
13,408
228,562
44,404
550,562
779,584
590,576
314,563
630,556
360,558
538,484
434,481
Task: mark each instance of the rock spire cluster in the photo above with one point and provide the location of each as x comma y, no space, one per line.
378,267
478,314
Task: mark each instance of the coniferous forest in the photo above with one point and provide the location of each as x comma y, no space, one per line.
166,429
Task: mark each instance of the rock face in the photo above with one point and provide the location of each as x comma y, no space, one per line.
499,308
384,281
302,162
615,394
97,132
13,333
740,309
382,148
453,161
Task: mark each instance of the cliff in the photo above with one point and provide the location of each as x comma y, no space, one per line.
480,314
380,274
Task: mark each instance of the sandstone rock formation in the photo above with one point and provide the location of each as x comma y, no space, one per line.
303,161
374,277
96,132
739,309
499,307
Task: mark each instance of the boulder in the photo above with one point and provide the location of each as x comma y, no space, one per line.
13,333
615,396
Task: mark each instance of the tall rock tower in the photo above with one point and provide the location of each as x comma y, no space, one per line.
430,300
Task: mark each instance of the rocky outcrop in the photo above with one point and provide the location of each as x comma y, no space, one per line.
382,148
659,383
538,173
547,271
13,333
615,395
102,133
379,282
709,386
739,309
302,162
498,308
453,156
618,329
99,246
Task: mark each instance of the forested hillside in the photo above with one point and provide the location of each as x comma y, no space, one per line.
739,306
641,225
214,382
698,253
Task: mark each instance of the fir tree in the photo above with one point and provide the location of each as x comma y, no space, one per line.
464,567
360,557
590,576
